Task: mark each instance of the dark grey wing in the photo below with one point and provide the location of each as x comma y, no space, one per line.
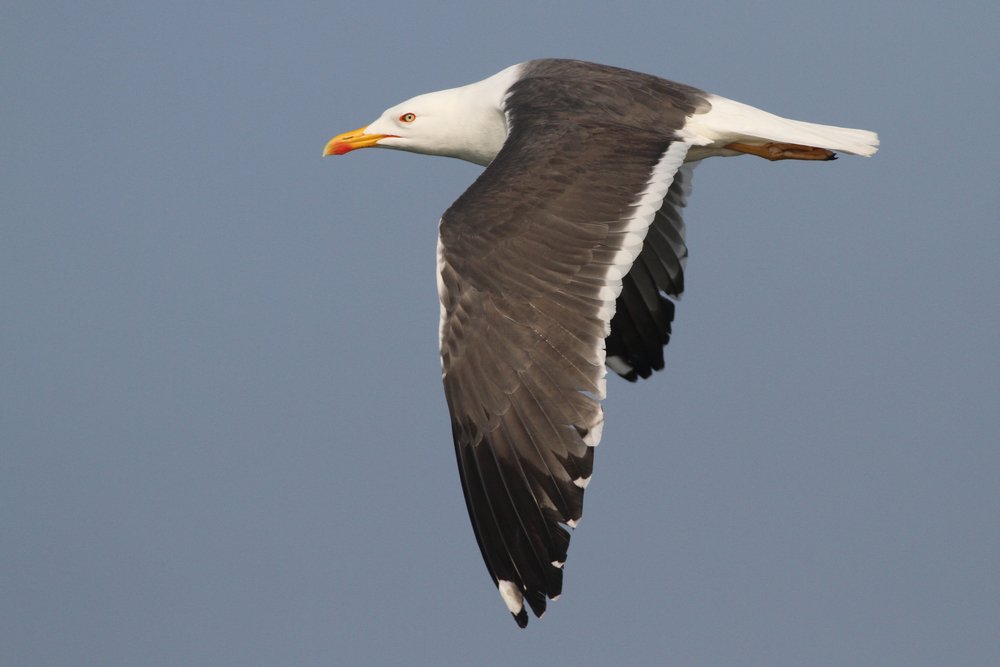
645,309
530,262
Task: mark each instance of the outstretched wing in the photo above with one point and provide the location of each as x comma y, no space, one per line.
531,260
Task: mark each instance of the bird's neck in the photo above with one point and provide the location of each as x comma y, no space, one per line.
480,126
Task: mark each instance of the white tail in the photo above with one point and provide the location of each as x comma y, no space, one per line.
729,121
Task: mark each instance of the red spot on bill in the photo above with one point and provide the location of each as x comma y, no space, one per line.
340,147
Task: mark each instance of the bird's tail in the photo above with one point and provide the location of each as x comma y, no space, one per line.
729,121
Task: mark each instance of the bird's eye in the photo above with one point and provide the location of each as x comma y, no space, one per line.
407,118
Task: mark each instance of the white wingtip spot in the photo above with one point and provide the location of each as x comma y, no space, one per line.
558,564
511,596
582,482
573,523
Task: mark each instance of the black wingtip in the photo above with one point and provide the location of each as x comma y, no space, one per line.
521,618
536,600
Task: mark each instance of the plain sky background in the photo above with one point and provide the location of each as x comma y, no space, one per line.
224,438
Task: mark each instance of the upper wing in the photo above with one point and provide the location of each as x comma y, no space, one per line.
643,314
531,260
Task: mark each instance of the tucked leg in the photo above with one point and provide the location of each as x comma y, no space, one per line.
776,151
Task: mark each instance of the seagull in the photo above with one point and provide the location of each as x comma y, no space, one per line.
563,259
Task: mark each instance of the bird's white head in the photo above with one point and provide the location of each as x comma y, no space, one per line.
466,123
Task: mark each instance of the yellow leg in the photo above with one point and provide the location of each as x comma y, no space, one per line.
775,151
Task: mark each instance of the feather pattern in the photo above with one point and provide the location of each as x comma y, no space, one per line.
528,287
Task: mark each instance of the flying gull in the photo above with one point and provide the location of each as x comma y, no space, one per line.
562,259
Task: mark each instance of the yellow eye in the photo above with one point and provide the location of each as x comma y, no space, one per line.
407,118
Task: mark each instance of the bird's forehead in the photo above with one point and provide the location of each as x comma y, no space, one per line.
425,103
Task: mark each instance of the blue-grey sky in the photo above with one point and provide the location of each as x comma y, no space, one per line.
224,438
